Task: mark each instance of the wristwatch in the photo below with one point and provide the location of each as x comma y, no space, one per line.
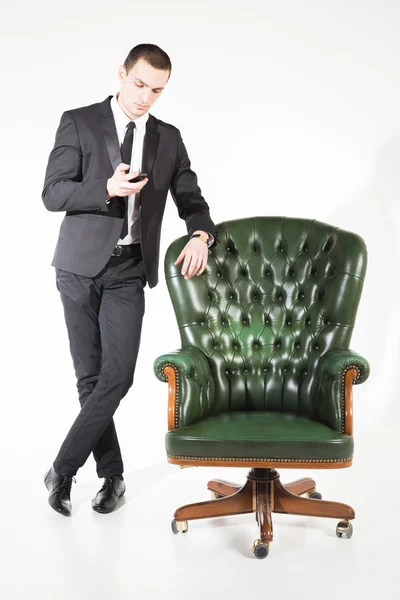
203,236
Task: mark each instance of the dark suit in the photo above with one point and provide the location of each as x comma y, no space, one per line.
85,154
103,296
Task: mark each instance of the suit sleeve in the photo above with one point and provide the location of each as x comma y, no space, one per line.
64,188
187,195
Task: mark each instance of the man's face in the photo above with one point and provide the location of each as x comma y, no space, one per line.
140,88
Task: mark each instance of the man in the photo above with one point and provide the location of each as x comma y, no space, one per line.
108,248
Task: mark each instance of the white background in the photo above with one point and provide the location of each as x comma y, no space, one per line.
286,108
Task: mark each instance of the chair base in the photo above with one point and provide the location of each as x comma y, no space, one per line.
264,494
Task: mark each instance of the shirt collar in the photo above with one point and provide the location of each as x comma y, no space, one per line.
122,120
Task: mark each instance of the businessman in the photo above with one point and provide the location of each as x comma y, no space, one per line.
108,249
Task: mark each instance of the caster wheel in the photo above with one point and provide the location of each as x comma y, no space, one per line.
344,529
179,526
315,495
260,549
215,496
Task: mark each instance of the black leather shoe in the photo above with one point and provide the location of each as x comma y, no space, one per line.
107,498
59,487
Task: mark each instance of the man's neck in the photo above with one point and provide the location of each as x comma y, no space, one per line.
123,108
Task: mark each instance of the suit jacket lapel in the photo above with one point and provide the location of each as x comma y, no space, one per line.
107,124
150,147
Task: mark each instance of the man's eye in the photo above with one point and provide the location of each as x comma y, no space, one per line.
138,84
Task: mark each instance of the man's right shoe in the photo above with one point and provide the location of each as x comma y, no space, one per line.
59,487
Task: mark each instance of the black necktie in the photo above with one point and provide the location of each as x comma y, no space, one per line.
126,153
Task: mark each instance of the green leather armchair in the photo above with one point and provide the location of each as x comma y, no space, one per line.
264,376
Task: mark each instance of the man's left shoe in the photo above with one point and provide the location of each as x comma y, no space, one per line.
107,498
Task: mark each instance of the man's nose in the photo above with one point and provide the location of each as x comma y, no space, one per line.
144,97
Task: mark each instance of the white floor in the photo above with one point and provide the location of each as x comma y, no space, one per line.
133,553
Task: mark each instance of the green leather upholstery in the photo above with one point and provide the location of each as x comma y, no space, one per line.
265,335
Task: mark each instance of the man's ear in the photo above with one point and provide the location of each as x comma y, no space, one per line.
121,73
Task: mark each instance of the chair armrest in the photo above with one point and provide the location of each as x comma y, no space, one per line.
338,370
191,390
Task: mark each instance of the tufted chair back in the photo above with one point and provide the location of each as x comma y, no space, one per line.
277,294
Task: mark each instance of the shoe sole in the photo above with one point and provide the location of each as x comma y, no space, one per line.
59,511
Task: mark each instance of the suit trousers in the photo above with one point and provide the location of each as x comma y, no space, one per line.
104,317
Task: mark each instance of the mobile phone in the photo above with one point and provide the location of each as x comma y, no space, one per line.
138,178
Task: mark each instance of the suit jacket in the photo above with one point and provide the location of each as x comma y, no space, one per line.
85,155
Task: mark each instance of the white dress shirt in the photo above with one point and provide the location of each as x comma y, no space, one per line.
121,124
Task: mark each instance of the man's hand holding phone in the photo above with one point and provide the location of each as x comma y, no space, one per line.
125,184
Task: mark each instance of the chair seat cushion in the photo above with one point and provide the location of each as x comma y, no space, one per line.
259,435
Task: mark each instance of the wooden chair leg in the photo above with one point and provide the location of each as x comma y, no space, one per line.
264,508
240,502
223,488
300,486
288,503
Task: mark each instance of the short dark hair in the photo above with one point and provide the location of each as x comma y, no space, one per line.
152,54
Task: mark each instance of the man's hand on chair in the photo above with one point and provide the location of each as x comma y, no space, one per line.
194,256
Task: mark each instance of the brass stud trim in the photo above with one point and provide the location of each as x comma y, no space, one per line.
177,388
281,460
343,386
